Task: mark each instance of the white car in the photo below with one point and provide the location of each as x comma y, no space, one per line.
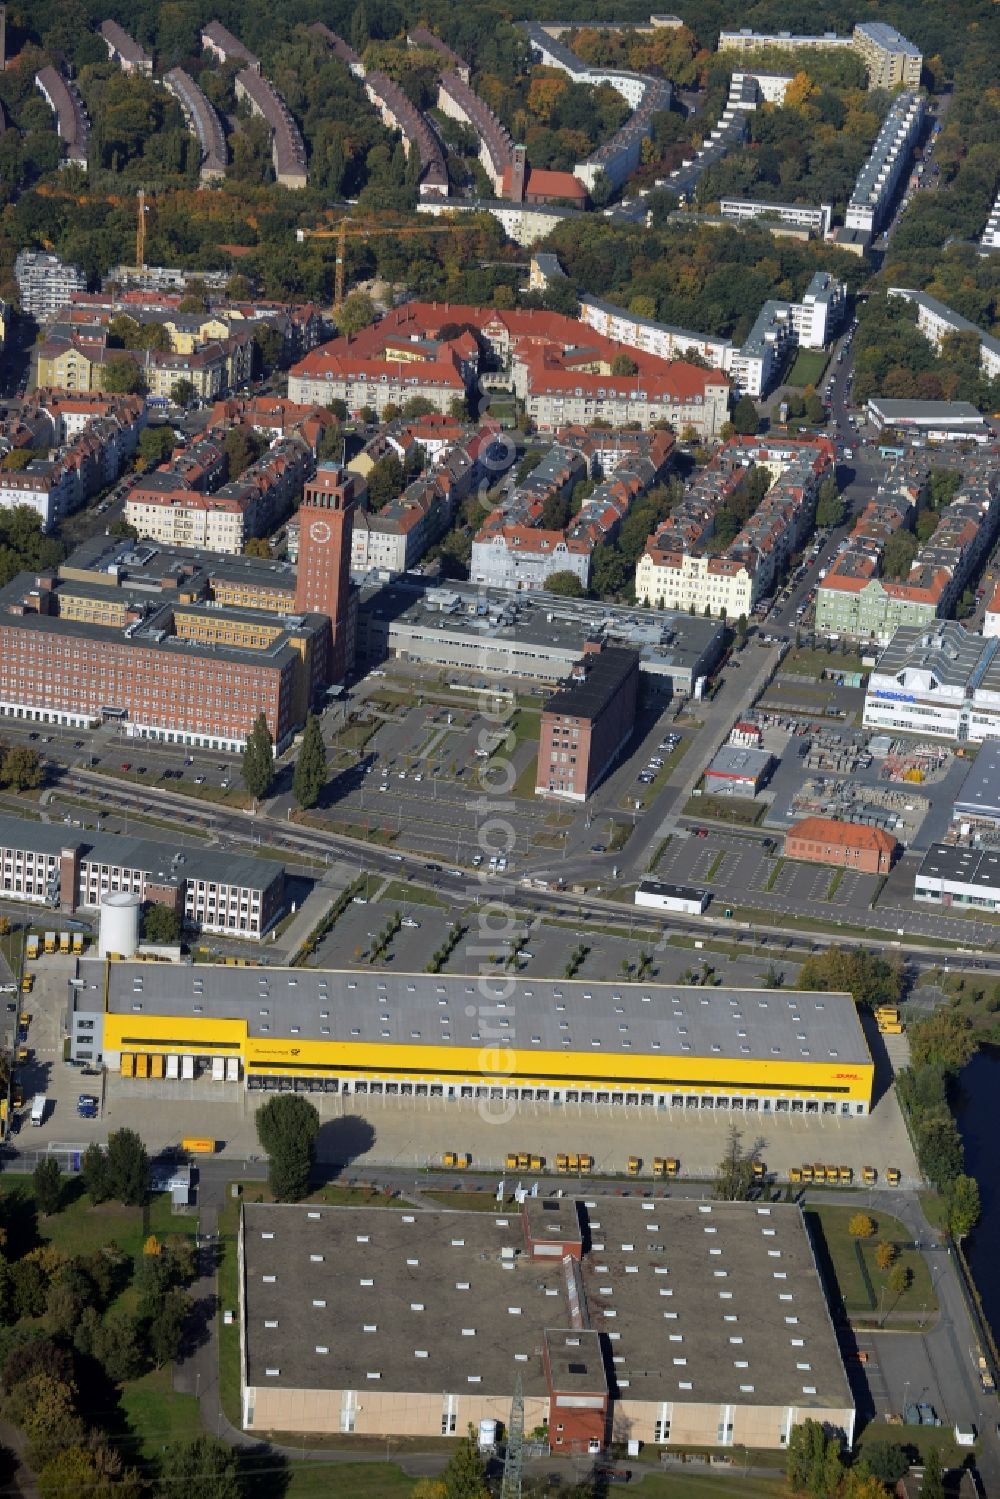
360,900
409,921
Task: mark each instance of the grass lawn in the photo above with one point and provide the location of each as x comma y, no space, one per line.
465,1202
315,1479
813,663
923,1438
157,1415
524,786
526,724
81,1228
832,1223
399,892
808,367
935,1210
12,947
702,1484
739,810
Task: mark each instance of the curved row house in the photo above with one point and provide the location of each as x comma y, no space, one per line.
421,37
218,40
63,98
288,151
398,113
618,157
125,50
202,121
496,149
340,49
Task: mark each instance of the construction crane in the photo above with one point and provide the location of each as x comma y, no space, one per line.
140,231
347,229
510,1486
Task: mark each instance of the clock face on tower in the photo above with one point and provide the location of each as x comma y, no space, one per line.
320,532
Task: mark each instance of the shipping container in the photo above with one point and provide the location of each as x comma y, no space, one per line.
187,1068
173,1066
198,1147
218,1069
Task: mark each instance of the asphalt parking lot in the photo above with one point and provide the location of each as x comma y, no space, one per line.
741,868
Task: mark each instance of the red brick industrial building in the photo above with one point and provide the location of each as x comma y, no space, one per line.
823,840
587,722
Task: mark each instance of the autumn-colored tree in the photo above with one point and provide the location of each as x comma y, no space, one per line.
885,1255
152,1246
861,1226
900,1279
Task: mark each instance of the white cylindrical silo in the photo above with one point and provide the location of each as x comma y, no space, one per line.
119,923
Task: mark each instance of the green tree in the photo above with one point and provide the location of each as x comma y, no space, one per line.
734,1173
165,1328
623,364
204,1467
128,1167
933,1484
22,768
155,444
565,583
287,1126
257,546
813,1465
117,1346
310,767
94,1169
46,1182
963,1206
872,979
68,1474
258,759
385,481
182,392
160,924
357,312
745,418
122,376
829,504
900,1278
898,554
887,1460
465,1475
944,1037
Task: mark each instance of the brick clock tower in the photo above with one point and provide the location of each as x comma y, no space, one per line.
323,584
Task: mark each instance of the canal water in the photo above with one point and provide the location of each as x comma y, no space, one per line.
978,1115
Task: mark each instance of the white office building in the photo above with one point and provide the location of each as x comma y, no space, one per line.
940,682
817,219
936,321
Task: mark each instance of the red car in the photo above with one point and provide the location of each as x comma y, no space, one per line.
126,765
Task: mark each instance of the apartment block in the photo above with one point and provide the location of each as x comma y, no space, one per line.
887,163
659,339
890,59
936,322
63,98
90,441
513,549
817,219
288,151
587,723
202,121
397,113
680,569
46,284
393,539
854,600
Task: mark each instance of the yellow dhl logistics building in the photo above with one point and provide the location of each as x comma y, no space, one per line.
555,1040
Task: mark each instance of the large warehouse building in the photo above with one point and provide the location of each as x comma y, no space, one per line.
446,1036
678,1323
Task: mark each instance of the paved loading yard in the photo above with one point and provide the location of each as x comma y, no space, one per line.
416,1132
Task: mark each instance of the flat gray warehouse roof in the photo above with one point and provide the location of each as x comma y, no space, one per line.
548,1014
698,1302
